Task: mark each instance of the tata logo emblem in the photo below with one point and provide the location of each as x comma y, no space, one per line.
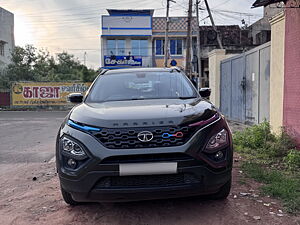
145,136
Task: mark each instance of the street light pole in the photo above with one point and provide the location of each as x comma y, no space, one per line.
198,44
84,58
188,41
166,49
213,24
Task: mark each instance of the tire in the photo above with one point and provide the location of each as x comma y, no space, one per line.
223,192
68,197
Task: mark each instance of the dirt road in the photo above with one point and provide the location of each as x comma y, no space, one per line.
27,146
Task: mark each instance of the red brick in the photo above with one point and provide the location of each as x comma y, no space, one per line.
4,98
291,106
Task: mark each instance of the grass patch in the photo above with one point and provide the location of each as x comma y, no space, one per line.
292,160
277,184
242,182
272,160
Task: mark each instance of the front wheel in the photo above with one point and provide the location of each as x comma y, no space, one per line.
68,197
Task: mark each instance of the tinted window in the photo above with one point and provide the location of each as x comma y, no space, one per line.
159,47
141,85
176,47
121,47
111,47
115,47
135,47
139,47
173,47
143,47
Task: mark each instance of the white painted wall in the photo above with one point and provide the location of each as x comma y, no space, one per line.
141,25
6,34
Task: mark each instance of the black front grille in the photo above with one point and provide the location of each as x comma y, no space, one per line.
125,138
147,181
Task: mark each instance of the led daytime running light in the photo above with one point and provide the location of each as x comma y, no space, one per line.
205,122
82,127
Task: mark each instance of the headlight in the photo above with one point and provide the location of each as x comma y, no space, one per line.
218,140
71,147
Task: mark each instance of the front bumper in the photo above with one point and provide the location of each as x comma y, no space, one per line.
99,180
87,190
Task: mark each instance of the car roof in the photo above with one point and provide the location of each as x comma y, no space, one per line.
137,70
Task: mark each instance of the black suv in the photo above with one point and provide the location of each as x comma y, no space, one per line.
142,134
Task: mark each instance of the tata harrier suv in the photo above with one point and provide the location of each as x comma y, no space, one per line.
141,134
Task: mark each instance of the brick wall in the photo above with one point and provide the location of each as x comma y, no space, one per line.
291,106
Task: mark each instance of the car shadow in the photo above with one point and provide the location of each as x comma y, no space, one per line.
167,211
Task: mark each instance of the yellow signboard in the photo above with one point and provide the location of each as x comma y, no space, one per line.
45,93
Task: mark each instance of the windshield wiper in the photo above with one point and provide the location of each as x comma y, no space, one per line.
136,99
190,97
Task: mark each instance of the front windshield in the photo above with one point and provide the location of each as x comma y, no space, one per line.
141,85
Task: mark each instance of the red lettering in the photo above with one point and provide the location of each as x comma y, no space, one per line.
35,92
41,92
56,92
46,92
27,92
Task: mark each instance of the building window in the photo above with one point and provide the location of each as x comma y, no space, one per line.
175,46
115,47
139,47
1,49
159,47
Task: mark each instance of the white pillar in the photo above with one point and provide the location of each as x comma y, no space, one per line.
214,61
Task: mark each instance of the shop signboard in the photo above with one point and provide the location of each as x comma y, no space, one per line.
44,93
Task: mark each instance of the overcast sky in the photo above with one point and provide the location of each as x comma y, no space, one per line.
74,25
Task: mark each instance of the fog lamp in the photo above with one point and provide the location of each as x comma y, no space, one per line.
72,163
219,155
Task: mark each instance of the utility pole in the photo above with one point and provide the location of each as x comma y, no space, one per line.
213,24
84,58
198,44
167,34
188,41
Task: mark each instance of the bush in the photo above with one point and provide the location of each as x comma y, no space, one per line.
293,160
254,137
259,141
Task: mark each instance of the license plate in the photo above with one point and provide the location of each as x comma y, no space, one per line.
131,169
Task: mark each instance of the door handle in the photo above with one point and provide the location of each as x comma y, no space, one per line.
243,83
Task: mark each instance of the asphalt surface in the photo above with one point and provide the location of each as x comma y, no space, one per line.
28,137
30,193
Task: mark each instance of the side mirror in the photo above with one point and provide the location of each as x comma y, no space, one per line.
205,92
75,97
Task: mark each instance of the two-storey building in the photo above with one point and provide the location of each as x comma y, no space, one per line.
126,39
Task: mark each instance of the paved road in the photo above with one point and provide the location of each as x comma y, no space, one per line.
27,144
28,136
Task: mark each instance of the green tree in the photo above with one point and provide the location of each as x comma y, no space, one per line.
32,64
22,62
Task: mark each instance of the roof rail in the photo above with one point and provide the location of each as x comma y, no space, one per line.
175,68
103,71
